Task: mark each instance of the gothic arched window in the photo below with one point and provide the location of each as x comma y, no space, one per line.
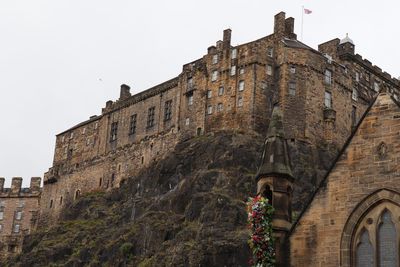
376,239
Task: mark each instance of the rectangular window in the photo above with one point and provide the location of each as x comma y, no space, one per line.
328,100
270,52
209,110
150,117
234,53
357,76
168,110
354,116
71,135
187,121
220,107
84,130
132,124
190,100
113,131
214,76
209,93
241,86
240,101
18,215
189,83
1,215
215,59
269,70
328,77
241,71
221,91
233,70
367,77
1,227
376,86
292,69
354,94
16,228
292,88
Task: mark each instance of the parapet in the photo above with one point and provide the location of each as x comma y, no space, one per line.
16,189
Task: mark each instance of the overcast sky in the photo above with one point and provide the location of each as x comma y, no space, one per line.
60,61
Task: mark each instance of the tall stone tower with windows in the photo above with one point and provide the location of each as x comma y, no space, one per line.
275,182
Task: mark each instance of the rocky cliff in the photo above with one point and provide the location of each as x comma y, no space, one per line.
186,210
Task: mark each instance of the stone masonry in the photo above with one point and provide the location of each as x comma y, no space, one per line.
322,94
19,210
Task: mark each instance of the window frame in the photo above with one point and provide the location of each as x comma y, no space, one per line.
151,112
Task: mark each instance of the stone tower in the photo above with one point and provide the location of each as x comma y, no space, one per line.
275,182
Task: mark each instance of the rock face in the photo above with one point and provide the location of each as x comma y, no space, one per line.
186,210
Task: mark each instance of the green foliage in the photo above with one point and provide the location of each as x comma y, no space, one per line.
261,240
126,249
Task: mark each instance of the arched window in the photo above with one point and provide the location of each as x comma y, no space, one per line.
376,238
387,241
267,193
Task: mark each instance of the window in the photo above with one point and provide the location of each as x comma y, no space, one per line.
357,76
61,200
241,85
51,204
1,227
215,59
69,153
113,131
132,124
269,70
63,138
241,71
1,215
96,125
270,51
150,117
234,53
87,141
233,70
292,69
112,179
77,193
84,130
190,83
376,86
168,110
354,94
214,76
240,101
187,121
18,215
221,91
328,77
292,88
16,228
328,100
71,135
190,100
367,77
100,182
220,107
209,93
209,110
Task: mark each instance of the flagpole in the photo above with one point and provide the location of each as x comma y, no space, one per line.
302,18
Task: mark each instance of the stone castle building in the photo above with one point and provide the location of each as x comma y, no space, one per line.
19,210
303,99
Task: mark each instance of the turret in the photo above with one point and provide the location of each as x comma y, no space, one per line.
275,182
346,46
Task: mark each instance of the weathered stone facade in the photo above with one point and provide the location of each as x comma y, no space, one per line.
361,186
322,95
19,210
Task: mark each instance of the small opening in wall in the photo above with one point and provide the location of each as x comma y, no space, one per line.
199,131
267,193
142,160
61,200
77,193
100,182
51,204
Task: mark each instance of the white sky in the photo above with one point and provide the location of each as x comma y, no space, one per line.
60,61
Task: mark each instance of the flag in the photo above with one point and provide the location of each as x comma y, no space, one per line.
307,11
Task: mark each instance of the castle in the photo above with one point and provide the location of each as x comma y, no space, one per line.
316,98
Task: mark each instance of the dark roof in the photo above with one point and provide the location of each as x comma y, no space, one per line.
275,158
295,44
347,143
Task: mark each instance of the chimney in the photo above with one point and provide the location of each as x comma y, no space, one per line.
227,39
125,92
289,28
109,104
16,183
2,184
279,25
35,184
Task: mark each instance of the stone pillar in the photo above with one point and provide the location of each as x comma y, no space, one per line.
16,183
35,184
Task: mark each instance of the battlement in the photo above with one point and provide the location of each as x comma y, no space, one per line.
16,189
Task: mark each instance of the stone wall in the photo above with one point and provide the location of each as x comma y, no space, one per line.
362,169
19,208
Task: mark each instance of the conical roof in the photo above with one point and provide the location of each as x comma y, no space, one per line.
275,158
